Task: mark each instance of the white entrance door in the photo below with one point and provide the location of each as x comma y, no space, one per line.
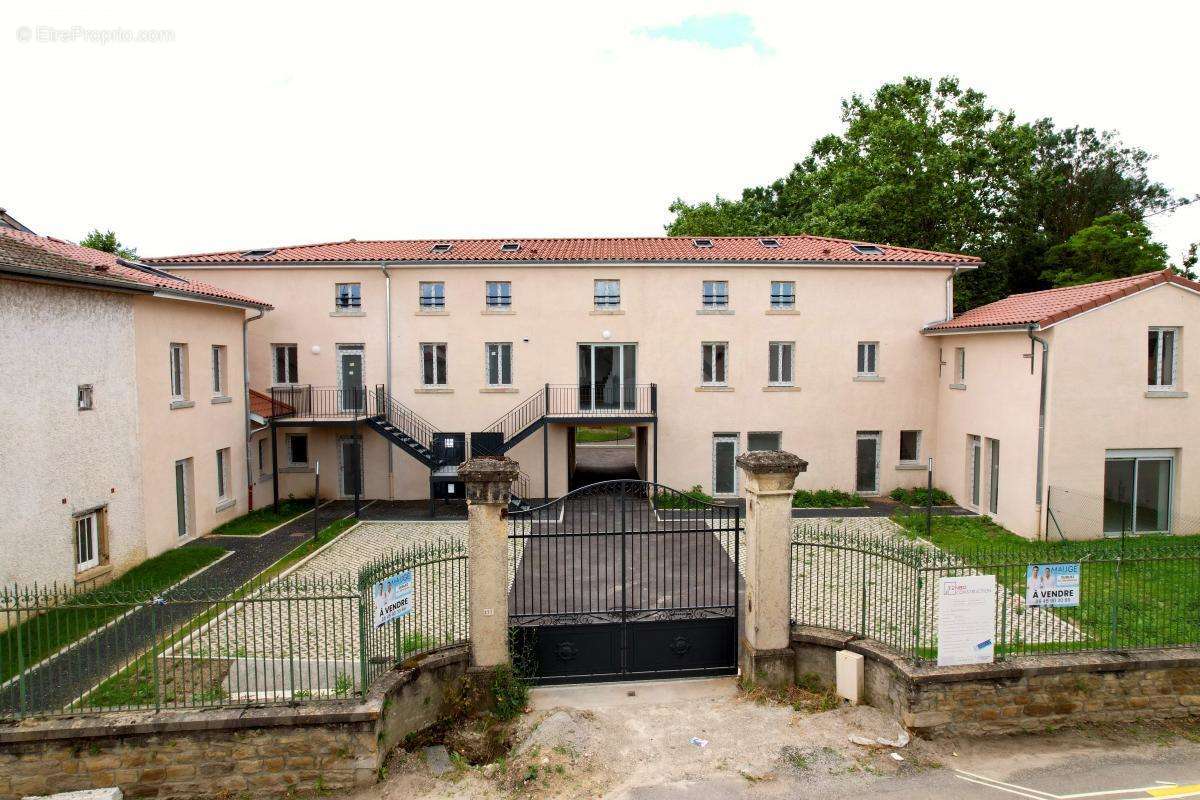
725,453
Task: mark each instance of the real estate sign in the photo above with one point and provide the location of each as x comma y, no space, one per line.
1052,585
393,597
966,620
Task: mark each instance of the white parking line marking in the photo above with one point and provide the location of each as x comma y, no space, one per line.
1160,789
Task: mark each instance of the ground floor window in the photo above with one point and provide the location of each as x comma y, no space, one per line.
993,475
223,473
764,440
1138,491
910,447
87,541
297,449
866,467
183,496
262,456
974,468
725,453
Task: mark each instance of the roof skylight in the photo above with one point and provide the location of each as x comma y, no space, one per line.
441,247
510,247
702,243
867,249
269,251
769,242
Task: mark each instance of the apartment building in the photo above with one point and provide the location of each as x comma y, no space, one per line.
132,427
395,357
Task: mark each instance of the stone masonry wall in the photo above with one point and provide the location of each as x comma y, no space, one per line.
227,753
1021,694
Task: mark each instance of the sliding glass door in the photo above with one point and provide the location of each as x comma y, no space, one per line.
1137,492
607,377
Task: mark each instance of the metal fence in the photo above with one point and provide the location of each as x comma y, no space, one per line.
288,639
1134,594
1072,514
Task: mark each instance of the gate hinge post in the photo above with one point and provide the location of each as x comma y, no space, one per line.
488,483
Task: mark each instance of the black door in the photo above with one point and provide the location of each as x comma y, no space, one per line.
624,579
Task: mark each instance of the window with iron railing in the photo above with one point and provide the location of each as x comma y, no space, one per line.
783,294
433,296
499,294
715,294
347,296
607,294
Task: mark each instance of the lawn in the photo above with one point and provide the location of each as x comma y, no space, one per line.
826,498
1152,598
263,519
607,433
83,613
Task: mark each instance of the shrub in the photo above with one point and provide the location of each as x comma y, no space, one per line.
692,498
920,496
826,498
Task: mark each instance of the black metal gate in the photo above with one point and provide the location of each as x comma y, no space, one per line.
624,579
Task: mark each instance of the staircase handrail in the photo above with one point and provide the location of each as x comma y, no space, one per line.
405,419
517,419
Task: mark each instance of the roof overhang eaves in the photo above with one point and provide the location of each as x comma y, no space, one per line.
212,300
1007,328
392,262
81,279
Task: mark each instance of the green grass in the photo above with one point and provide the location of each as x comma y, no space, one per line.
920,496
83,613
1156,594
607,433
826,498
134,685
692,498
264,519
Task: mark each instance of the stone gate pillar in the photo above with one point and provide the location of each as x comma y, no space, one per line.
765,652
489,485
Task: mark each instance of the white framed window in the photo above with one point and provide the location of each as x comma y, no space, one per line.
178,371
499,295
606,293
433,363
498,357
347,296
1138,491
262,456
868,358
960,365
223,474
993,456
780,370
183,497
84,397
910,447
297,449
715,294
725,471
764,440
87,541
783,294
714,367
219,367
975,468
1163,358
286,366
433,295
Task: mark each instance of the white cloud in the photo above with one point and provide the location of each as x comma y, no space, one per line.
277,123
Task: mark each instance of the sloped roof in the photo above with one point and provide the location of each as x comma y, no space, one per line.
1049,306
56,258
586,250
262,405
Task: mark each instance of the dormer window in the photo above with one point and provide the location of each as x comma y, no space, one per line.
769,243
510,247
441,247
867,249
702,243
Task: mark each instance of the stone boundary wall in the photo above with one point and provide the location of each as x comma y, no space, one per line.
226,753
1022,694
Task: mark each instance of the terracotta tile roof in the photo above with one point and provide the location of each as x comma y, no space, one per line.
262,405
67,260
1047,307
624,249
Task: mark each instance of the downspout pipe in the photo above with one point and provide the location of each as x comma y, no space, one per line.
387,349
246,406
1041,445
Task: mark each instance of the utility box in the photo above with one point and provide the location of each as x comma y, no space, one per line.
851,676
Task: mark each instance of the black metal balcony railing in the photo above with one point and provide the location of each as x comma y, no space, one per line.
602,400
350,402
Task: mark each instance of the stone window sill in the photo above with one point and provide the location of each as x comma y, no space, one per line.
347,313
782,312
868,379
433,390
715,311
440,313
182,404
781,388
499,390
1164,393
221,398
497,312
226,504
962,387
910,465
607,312
714,388
92,573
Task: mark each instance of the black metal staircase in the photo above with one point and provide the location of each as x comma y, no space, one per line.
404,428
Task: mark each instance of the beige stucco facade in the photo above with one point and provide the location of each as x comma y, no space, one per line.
1098,407
552,312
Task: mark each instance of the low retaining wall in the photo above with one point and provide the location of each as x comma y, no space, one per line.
228,752
1021,694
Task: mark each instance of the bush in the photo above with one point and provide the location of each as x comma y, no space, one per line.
920,497
692,498
826,498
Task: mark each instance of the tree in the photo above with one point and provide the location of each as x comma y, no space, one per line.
1113,246
109,243
1187,265
934,166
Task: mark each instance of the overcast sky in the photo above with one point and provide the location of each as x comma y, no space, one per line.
256,124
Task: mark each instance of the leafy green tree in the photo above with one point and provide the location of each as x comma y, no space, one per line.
109,243
1114,246
1187,265
934,166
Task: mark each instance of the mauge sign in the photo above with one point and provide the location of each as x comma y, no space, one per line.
1052,585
